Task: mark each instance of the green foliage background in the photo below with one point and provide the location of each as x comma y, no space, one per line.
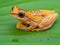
9,35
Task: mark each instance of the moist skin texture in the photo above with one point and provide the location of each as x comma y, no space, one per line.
34,20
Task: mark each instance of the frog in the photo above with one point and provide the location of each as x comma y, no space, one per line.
33,20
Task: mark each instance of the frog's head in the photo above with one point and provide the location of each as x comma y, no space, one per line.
18,13
21,14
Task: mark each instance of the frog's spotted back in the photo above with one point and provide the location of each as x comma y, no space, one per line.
37,20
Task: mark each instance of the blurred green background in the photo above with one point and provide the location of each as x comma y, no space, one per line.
9,35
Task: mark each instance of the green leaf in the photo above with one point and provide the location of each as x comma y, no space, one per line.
10,35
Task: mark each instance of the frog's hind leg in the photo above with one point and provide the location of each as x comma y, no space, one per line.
48,26
47,23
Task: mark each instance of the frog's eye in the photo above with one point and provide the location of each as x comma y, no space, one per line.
21,14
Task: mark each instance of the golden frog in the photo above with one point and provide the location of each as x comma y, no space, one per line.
34,20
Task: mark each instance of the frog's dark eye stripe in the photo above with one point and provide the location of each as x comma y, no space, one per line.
21,14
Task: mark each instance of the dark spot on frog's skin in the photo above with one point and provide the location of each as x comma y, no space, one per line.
21,14
36,27
27,25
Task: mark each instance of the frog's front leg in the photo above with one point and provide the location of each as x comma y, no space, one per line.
26,26
20,25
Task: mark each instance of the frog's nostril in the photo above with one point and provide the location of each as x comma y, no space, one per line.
21,14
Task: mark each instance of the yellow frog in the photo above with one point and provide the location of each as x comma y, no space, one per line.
34,20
